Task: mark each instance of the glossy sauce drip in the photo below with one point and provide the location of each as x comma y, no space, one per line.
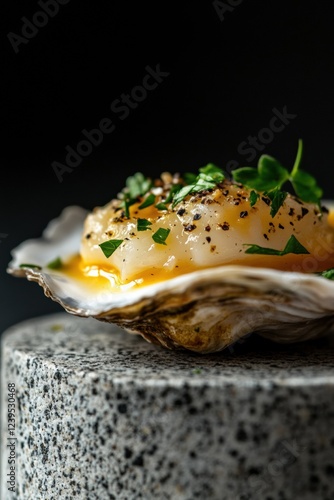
101,277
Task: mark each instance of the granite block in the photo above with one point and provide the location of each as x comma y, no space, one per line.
103,414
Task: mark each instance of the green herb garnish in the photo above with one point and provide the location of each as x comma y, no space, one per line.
292,246
34,266
161,206
277,198
270,176
136,185
108,247
55,264
148,201
143,224
328,274
161,235
208,177
253,197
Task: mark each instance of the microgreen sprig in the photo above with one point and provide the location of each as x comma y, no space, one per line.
270,176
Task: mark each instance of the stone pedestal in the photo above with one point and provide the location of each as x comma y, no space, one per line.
102,414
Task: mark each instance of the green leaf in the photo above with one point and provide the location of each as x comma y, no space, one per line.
150,200
245,175
271,171
126,204
203,182
189,178
161,235
33,266
277,198
55,264
161,206
253,197
143,224
269,174
182,194
213,171
109,247
173,190
329,274
138,185
292,246
256,249
209,176
306,188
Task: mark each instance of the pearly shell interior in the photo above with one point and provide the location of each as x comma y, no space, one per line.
203,311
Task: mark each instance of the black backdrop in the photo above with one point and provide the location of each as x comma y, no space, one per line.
225,69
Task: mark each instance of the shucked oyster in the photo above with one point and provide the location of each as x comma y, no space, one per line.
196,262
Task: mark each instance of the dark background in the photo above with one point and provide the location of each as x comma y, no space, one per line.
225,78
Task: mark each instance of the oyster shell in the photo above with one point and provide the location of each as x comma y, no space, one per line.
204,311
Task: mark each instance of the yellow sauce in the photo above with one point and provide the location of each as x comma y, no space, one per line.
330,218
105,278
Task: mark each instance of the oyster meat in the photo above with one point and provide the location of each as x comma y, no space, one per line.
194,265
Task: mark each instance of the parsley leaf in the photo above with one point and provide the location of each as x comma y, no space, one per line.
253,197
161,206
143,224
150,200
209,176
329,274
161,235
34,266
108,247
292,246
213,171
182,194
277,198
55,264
138,185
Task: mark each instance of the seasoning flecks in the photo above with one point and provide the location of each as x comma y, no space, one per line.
225,226
190,227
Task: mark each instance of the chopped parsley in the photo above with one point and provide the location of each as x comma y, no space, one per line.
33,266
136,185
292,246
328,274
150,200
109,247
143,224
55,264
277,198
161,235
208,177
161,206
253,197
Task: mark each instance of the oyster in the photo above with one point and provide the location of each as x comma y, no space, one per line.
195,269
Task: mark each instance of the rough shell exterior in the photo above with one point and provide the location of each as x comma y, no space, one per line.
204,311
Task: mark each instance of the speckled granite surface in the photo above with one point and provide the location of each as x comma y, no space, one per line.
102,414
